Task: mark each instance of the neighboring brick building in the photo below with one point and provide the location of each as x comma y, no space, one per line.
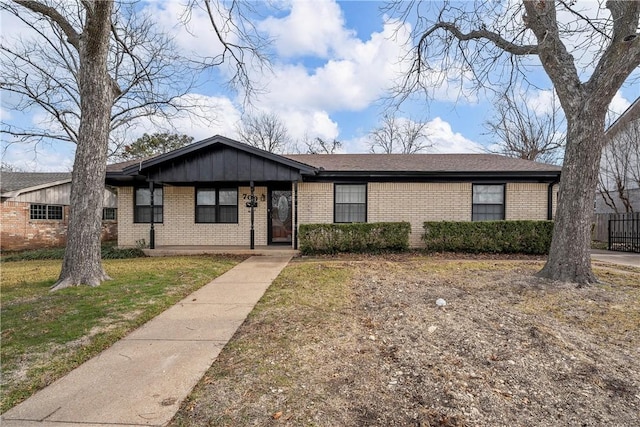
34,210
201,192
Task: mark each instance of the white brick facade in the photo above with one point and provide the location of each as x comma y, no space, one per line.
386,202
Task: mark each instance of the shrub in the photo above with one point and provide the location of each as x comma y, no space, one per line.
526,237
358,237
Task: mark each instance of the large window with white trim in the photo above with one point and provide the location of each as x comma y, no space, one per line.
142,203
350,203
488,202
217,205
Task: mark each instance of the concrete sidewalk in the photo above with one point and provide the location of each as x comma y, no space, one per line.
142,379
622,258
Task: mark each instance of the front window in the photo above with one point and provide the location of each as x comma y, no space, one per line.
142,212
215,205
48,212
109,214
488,202
350,203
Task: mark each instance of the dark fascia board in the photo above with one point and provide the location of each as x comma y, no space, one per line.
630,114
546,176
217,139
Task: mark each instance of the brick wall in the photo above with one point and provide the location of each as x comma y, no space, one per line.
417,203
411,202
20,232
526,201
315,203
179,226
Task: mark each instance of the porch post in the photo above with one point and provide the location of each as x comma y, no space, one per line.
295,215
152,231
252,203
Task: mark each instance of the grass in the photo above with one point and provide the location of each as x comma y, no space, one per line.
301,309
329,331
45,335
109,251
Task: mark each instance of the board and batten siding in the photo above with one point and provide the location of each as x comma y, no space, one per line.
60,195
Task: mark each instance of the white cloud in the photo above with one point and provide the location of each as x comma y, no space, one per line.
5,114
309,124
542,101
209,116
352,80
618,106
40,158
445,140
439,133
190,28
314,28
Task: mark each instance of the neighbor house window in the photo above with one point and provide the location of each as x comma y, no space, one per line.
109,214
350,203
217,205
50,212
488,202
142,211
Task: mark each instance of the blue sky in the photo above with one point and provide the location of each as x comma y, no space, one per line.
333,63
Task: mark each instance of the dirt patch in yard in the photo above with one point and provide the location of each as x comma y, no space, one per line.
361,341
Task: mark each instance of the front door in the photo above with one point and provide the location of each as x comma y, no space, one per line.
280,213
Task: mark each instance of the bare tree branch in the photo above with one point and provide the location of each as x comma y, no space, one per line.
264,131
399,135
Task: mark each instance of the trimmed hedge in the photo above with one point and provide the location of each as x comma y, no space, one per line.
525,237
356,237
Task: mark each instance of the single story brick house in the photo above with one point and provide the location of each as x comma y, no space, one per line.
202,194
34,210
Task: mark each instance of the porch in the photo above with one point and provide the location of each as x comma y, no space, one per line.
227,250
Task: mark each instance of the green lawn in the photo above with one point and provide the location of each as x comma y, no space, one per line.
45,335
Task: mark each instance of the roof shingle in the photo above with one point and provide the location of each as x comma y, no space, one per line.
16,181
421,163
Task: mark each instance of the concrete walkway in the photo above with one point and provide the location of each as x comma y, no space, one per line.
142,379
621,258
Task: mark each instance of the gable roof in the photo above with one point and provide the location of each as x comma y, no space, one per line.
215,159
12,184
421,163
194,163
630,114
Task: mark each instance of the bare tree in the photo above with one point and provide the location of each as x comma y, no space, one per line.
265,131
521,131
318,145
486,42
242,44
620,168
88,38
399,135
42,73
92,45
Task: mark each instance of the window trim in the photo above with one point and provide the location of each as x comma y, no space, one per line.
217,206
503,204
136,219
46,207
115,213
366,201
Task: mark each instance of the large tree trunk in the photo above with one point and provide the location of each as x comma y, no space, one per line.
82,261
570,253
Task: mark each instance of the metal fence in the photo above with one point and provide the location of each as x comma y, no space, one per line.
624,232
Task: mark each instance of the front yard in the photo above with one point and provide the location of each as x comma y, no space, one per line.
45,335
359,340
355,341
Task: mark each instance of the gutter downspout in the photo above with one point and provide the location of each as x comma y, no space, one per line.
295,215
550,199
152,231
